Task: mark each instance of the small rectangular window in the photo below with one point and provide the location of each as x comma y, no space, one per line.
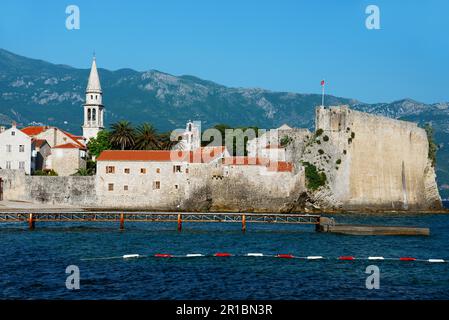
176,168
176,186
110,187
187,170
8,148
158,170
143,170
125,188
110,169
127,171
13,133
156,185
8,164
22,165
21,148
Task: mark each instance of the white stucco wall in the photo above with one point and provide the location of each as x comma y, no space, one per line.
15,138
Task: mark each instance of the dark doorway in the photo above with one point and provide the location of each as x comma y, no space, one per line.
1,189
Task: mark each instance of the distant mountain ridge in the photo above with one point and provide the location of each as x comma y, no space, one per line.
35,91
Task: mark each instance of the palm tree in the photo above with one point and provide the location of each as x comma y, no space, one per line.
122,135
147,138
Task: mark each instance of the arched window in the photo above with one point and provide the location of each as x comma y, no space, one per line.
92,96
190,127
94,114
89,115
96,97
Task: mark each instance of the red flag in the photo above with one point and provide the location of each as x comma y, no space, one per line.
322,82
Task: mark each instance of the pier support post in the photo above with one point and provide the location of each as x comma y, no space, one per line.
122,221
318,225
179,223
243,223
31,222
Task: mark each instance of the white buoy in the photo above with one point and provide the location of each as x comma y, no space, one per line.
376,258
193,255
314,257
436,260
130,256
254,254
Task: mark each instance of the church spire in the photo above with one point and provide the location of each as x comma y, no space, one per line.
93,108
93,85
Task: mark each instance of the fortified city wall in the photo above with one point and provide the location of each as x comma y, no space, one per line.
370,162
384,162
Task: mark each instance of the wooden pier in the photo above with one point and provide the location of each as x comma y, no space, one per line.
322,224
33,218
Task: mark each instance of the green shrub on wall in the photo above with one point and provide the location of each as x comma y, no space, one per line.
45,173
314,178
432,153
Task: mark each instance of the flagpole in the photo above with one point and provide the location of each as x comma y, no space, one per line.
322,95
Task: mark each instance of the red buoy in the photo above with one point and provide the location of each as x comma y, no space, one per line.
346,258
407,259
285,256
222,254
163,255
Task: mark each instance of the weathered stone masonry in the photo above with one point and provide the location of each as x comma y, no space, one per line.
370,162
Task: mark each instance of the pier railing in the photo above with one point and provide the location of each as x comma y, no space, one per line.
179,218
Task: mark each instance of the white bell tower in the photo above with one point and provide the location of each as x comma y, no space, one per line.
93,108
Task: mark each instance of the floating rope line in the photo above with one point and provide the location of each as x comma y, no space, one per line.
280,256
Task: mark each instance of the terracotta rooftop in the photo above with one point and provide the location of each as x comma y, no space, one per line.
74,138
202,155
280,166
33,131
68,146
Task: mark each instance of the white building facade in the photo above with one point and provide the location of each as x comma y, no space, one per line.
15,150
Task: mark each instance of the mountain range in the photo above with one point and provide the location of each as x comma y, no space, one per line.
36,92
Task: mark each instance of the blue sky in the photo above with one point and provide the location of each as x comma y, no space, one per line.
284,45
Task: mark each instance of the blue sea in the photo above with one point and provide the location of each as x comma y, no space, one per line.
33,263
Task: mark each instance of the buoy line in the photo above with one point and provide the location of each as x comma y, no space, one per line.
256,254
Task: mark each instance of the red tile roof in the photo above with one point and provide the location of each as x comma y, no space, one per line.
74,138
279,166
206,154
33,131
68,146
201,155
140,155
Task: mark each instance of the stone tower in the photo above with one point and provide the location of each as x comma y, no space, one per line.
93,108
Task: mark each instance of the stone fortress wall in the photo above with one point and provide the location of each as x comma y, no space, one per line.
384,162
371,162
54,191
